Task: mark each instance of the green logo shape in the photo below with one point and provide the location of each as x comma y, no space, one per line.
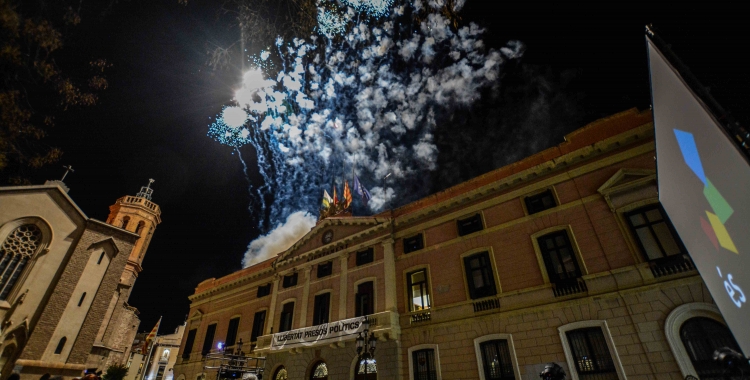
721,207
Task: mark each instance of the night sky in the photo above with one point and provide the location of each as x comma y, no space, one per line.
588,61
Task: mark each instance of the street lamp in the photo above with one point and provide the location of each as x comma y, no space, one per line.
366,342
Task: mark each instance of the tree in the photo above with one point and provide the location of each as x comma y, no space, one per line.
115,372
37,82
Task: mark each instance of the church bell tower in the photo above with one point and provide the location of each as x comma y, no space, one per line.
140,215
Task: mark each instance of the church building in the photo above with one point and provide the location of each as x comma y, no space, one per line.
65,280
565,256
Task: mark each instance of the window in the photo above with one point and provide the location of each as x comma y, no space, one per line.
18,248
367,369
160,372
280,374
540,202
139,227
559,257
418,291
60,345
100,258
414,243
319,371
322,307
479,275
290,280
208,342
496,362
325,269
125,222
264,290
654,232
83,297
591,355
470,225
259,323
234,325
364,298
701,336
189,344
365,257
287,312
423,362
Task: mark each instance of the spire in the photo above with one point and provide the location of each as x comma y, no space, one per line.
146,191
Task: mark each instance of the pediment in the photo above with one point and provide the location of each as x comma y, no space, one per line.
109,245
628,186
332,234
196,315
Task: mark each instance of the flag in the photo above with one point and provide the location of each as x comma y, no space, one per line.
335,197
150,337
361,191
327,200
347,195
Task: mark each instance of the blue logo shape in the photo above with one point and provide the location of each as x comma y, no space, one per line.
690,153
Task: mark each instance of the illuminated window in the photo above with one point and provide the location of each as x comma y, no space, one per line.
559,257
419,294
281,374
321,308
591,355
287,312
479,275
18,248
160,372
470,225
259,322
60,345
366,367
540,202
325,269
496,361
423,362
413,243
320,371
364,299
655,234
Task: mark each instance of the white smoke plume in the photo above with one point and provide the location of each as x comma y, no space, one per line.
282,237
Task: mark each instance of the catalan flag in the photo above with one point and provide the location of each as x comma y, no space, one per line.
151,336
347,195
335,197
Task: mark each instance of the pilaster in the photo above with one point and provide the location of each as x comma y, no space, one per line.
272,307
389,267
305,294
343,285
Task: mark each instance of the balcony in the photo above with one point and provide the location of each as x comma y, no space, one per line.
568,287
670,265
384,325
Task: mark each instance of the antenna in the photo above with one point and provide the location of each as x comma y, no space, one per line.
146,191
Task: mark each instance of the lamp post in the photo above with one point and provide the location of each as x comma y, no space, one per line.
366,342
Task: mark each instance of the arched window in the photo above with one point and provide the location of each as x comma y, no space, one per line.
139,227
60,345
280,374
125,222
17,249
367,369
701,337
319,371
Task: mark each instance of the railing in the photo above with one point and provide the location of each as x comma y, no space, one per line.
384,324
486,304
421,317
568,287
671,265
141,201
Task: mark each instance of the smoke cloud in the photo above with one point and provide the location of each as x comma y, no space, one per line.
282,237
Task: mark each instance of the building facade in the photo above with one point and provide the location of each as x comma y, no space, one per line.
66,279
159,360
565,257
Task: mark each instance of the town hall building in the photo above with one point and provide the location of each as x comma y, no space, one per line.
565,257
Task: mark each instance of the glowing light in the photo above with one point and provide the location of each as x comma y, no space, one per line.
234,117
220,345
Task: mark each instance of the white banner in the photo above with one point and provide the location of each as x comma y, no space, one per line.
320,334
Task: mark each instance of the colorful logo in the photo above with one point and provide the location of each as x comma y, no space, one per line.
714,227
